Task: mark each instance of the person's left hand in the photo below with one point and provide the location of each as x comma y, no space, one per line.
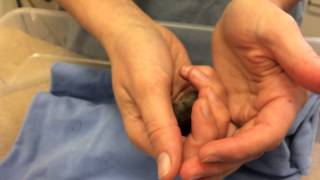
210,118
261,58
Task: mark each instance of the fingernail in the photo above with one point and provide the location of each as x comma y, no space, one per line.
212,159
185,70
164,164
205,109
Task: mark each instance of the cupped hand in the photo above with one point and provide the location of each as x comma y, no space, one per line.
145,72
262,60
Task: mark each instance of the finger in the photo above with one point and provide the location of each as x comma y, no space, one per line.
264,136
136,131
133,124
202,76
209,86
197,77
203,127
207,70
219,112
195,169
161,126
293,53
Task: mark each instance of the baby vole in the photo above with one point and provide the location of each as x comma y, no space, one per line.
182,107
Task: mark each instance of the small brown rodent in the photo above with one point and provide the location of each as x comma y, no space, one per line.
182,107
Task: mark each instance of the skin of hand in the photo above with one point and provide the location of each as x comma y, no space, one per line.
145,75
145,62
210,118
262,60
214,123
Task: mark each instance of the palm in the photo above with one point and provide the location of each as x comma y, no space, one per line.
261,57
257,85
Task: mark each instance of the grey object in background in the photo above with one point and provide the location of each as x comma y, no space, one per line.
59,28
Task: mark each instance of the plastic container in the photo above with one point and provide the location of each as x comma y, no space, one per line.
59,28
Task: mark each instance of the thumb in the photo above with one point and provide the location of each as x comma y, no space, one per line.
293,53
162,129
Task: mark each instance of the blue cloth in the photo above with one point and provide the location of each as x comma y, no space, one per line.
292,158
76,132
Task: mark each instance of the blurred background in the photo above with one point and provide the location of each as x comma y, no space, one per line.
310,26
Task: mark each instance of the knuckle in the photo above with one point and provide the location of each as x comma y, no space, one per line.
192,73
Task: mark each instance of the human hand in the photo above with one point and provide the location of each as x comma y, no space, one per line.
210,116
261,58
146,59
145,70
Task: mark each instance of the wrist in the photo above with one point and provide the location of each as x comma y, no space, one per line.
120,34
127,23
107,20
133,35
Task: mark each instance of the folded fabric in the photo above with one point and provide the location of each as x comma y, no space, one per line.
292,158
76,132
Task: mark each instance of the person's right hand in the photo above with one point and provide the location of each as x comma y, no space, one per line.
145,64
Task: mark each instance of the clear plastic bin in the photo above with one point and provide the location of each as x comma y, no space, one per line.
61,29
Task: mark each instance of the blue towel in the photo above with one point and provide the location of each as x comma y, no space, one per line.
76,132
